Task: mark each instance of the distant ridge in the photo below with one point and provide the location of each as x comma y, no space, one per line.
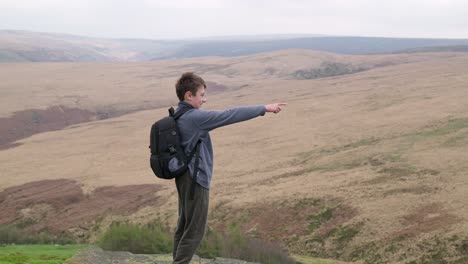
342,45
26,46
457,48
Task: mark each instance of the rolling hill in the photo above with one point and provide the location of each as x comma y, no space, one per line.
366,163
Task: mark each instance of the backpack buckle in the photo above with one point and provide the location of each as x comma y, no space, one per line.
172,149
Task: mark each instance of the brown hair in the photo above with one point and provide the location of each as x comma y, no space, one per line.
188,82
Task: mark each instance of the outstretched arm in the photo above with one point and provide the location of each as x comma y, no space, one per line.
209,120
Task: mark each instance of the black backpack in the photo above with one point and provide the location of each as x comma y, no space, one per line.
168,159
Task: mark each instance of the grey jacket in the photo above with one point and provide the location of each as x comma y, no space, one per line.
196,124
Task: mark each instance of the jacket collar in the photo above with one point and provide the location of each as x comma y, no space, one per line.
184,105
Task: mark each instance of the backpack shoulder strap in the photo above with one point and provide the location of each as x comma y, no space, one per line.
179,113
195,168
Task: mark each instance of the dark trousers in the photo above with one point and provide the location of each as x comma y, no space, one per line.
193,215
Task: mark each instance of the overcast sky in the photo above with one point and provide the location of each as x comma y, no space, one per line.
158,19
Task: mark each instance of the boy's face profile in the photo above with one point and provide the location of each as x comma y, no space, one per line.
198,99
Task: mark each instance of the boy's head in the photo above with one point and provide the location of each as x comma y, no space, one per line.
190,88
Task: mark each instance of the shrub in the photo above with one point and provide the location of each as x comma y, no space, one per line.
327,69
156,238
13,235
234,244
153,238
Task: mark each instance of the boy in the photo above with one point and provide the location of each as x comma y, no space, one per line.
194,125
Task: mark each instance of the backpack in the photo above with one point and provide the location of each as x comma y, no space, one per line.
168,159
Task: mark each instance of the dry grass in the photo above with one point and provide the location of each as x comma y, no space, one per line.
388,141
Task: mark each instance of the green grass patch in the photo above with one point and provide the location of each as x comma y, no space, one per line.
311,260
462,260
454,130
306,158
402,172
458,140
451,126
318,219
339,165
37,254
433,250
463,247
369,253
307,202
307,155
394,157
399,171
344,234
290,174
360,143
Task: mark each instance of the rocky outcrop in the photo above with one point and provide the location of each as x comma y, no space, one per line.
94,255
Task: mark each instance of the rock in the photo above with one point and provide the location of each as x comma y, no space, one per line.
95,255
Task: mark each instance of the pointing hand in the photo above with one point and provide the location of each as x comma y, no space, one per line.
275,108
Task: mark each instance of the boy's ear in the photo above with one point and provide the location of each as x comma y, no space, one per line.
188,95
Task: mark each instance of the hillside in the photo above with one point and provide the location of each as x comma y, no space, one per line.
455,48
71,96
367,162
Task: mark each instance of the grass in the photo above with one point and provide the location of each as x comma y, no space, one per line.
307,202
408,190
457,140
310,260
339,165
362,142
336,164
388,156
37,254
155,238
452,125
152,238
367,253
463,247
382,103
15,234
356,153
328,151
455,127
345,234
433,250
317,220
235,244
455,130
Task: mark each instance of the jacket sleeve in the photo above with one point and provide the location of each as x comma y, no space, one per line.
209,120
